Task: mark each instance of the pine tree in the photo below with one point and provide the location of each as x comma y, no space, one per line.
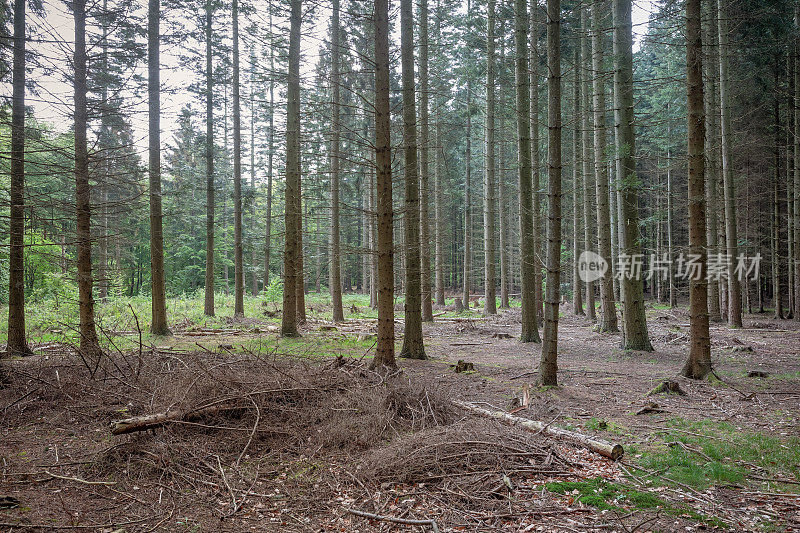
548,368
699,363
291,259
413,347
89,344
384,349
17,343
489,182
158,297
635,335
208,306
334,275
530,327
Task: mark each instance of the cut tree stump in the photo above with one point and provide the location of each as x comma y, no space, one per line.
602,447
463,366
651,407
668,386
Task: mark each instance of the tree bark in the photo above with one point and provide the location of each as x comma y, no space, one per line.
489,182
253,266
635,335
711,171
238,261
291,261
89,345
608,308
384,349
535,162
699,362
734,287
334,271
466,281
530,326
424,152
208,305
413,347
796,199
602,447
548,369
17,342
584,156
158,286
438,177
270,170
777,285
577,204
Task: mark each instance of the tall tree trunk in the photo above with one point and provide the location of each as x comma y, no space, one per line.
673,294
530,326
635,330
413,347
300,285
489,182
608,308
334,271
270,147
502,201
17,343
612,200
89,345
711,171
438,216
238,262
577,205
291,260
699,362
253,172
535,159
548,369
468,201
373,239
438,207
796,126
777,286
208,306
384,349
789,158
158,290
425,167
734,288
102,238
584,156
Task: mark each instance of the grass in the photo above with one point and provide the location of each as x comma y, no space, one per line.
620,498
720,453
597,424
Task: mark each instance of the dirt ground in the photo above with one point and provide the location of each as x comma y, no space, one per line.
244,471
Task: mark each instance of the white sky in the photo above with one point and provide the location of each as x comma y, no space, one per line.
53,104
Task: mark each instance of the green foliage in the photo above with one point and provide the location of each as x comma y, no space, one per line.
274,293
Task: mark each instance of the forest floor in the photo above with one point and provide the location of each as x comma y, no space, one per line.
297,434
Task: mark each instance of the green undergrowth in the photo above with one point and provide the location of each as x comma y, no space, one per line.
704,453
620,498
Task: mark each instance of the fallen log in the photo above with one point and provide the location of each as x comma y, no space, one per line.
604,448
156,420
